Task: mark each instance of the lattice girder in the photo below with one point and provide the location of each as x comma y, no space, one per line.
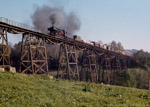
33,55
4,47
68,64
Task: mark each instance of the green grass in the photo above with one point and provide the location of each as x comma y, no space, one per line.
20,90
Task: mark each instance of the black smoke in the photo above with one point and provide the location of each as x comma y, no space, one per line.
46,16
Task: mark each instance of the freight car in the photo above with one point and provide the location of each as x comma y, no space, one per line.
63,34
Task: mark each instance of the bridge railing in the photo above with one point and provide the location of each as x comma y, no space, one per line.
21,25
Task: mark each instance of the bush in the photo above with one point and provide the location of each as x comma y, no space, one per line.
138,78
87,87
145,67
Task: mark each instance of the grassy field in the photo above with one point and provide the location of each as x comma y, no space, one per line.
20,90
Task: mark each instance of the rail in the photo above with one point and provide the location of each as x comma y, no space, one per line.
34,30
17,24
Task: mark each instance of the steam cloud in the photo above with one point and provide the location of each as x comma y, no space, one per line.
45,16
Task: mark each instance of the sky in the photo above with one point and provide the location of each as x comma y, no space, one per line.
125,21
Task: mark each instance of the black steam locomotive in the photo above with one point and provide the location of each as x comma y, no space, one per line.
57,32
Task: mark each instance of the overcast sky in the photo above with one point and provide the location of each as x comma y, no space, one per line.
127,21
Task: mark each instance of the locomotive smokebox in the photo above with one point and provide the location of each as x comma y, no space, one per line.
51,29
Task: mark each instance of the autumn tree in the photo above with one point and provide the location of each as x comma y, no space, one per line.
119,46
116,46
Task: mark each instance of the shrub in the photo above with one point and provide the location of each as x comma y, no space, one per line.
87,87
145,67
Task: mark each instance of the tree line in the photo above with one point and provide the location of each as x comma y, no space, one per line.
138,77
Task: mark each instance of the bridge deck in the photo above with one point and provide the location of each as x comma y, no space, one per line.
22,28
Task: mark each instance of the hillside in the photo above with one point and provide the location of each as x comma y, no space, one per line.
20,90
132,51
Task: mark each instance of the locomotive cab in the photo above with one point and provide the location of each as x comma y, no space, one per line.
56,31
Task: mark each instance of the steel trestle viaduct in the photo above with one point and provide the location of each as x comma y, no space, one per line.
33,57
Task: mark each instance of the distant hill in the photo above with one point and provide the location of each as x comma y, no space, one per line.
132,51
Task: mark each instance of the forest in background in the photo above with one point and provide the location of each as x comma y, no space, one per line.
138,77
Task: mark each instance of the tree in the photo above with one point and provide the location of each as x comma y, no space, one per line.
100,42
114,45
119,46
142,58
15,55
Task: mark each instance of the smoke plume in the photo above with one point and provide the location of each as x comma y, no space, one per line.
46,16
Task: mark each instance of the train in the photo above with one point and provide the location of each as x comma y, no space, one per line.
59,33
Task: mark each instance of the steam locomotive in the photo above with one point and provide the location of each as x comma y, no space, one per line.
56,31
63,34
